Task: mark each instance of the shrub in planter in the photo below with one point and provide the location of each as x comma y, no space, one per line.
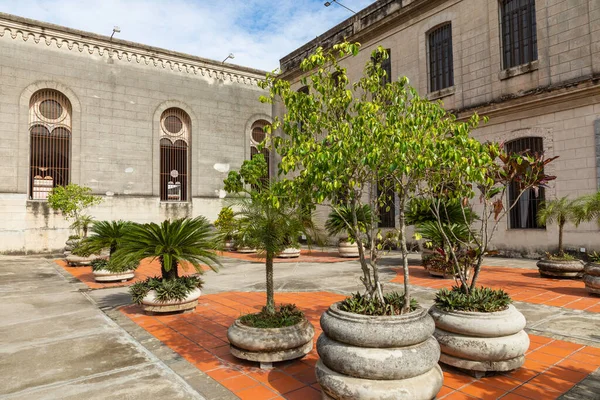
106,271
227,227
181,243
81,256
340,220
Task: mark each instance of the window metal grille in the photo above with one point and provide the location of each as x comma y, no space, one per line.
50,116
441,65
386,65
258,137
175,137
519,36
523,215
387,218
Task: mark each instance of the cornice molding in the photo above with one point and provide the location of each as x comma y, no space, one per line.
89,43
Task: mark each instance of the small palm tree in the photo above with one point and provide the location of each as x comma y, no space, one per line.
561,211
81,225
340,220
174,243
105,234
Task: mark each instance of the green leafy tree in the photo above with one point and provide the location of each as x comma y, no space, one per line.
561,211
174,243
105,234
226,223
71,201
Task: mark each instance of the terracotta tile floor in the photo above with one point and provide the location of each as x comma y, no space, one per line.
305,256
552,366
521,284
145,270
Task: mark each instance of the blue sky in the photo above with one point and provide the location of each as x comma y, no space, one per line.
258,32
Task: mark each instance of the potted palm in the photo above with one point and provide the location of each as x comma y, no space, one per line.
180,243
340,220
108,235
561,211
267,220
588,210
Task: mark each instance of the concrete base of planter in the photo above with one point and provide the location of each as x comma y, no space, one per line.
347,249
245,250
268,345
591,278
151,305
560,269
78,261
289,253
479,368
229,245
107,276
336,386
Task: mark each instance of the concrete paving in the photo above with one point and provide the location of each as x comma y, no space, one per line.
57,344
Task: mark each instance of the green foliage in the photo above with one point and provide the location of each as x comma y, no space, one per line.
594,257
340,220
81,224
561,211
478,299
81,251
458,234
442,261
179,242
393,304
99,264
561,257
106,235
420,210
226,223
71,200
166,289
107,265
285,315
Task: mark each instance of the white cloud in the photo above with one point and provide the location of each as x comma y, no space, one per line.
258,32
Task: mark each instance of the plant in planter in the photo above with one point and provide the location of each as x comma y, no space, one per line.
181,243
106,271
561,211
80,256
227,227
340,220
478,330
268,221
591,275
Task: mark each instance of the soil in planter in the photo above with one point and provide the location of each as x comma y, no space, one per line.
480,299
364,305
285,315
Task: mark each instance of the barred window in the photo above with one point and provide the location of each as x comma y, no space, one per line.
523,214
519,36
441,66
50,116
387,218
257,138
175,134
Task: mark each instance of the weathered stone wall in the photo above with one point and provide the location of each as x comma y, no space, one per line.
118,91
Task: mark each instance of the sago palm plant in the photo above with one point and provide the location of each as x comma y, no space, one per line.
105,234
340,220
560,211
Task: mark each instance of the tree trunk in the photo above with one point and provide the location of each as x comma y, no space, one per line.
171,274
113,248
270,308
561,225
404,250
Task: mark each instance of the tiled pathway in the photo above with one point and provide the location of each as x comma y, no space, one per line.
552,366
521,284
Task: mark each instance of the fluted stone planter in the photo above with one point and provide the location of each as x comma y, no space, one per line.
103,275
369,357
347,249
79,261
70,245
290,252
560,268
481,342
151,304
269,345
591,278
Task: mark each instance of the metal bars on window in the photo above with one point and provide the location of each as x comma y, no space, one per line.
175,134
387,198
519,36
523,214
441,65
50,116
386,65
257,138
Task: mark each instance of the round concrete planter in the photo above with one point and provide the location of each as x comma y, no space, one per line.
371,357
481,342
290,252
560,269
245,250
152,305
71,244
591,278
78,261
347,249
229,245
103,275
268,345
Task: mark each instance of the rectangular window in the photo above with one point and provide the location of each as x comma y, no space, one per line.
386,65
441,66
523,215
519,36
387,218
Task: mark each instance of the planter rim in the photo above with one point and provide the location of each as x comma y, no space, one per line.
353,317
576,261
284,329
511,308
107,272
150,299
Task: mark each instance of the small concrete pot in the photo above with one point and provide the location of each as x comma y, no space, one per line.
78,261
560,268
290,252
151,305
347,249
371,357
591,278
245,250
269,345
103,275
481,342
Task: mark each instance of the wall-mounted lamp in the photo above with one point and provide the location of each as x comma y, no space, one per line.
328,3
228,57
116,29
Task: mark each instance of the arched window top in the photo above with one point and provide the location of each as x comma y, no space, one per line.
175,125
258,132
50,108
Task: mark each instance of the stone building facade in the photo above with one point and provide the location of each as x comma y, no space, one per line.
150,130
531,66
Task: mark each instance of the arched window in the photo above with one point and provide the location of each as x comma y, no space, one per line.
175,133
50,142
523,214
258,137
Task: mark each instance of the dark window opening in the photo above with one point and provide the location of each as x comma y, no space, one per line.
519,35
387,217
441,65
386,65
173,170
49,160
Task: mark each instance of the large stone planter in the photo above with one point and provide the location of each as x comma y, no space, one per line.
103,275
560,269
268,345
347,249
368,357
591,278
151,305
245,250
79,261
481,342
290,252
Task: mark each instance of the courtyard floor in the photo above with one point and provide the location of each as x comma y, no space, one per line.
189,353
